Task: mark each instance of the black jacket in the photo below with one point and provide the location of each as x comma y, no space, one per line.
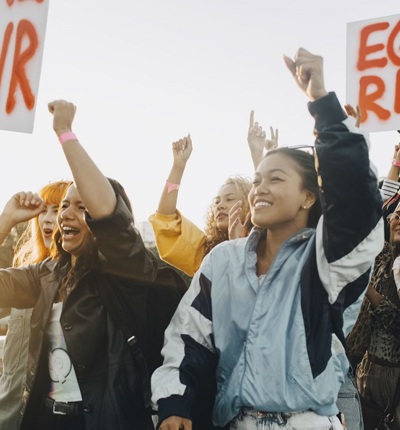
108,381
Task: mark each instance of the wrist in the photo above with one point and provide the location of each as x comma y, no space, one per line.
62,129
257,152
6,223
172,186
179,166
318,95
66,137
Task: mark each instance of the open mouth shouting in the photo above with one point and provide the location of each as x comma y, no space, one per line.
69,232
47,232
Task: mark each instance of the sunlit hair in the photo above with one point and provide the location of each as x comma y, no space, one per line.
88,261
305,166
214,235
31,247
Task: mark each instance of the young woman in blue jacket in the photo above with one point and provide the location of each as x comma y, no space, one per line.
270,312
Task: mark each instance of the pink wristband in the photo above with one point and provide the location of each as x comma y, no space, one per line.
65,137
171,187
396,163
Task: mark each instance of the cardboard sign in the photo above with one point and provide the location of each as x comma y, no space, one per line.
22,33
373,71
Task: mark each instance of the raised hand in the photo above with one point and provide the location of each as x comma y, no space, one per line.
63,115
355,113
396,154
22,207
257,140
307,71
181,150
235,229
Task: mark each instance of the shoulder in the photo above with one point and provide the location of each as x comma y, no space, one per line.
224,256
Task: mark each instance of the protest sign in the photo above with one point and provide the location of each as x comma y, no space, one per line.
22,34
373,71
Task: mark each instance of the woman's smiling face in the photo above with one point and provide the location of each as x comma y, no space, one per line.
227,196
278,198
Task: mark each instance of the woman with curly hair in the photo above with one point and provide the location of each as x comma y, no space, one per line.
217,228
180,242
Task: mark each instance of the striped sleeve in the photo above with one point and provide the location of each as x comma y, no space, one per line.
350,232
389,188
188,352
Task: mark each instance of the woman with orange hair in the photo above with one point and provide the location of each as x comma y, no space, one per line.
32,247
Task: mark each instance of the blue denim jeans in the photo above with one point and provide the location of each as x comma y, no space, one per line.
349,405
249,419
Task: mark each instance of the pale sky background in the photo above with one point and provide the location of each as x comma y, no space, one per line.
145,73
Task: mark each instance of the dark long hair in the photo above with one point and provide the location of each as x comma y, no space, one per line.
88,262
305,166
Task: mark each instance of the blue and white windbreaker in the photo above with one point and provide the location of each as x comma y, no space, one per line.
277,344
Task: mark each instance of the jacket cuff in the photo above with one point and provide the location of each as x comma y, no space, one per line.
121,216
327,111
173,406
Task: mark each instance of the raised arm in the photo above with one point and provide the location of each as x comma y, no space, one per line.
394,169
307,71
349,234
21,207
351,200
94,188
181,151
258,142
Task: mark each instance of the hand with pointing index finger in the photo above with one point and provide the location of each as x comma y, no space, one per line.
307,71
257,140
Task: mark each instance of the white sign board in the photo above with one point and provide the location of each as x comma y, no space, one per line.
373,71
22,34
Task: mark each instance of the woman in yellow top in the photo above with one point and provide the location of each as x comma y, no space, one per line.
180,242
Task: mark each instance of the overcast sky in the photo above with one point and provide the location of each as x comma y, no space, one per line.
145,73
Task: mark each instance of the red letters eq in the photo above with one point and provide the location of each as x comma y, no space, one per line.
369,100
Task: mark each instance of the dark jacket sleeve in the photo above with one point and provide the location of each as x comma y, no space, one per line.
350,197
121,248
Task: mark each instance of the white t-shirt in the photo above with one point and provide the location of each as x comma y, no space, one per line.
64,385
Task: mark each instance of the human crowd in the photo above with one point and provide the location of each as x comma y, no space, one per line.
292,316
